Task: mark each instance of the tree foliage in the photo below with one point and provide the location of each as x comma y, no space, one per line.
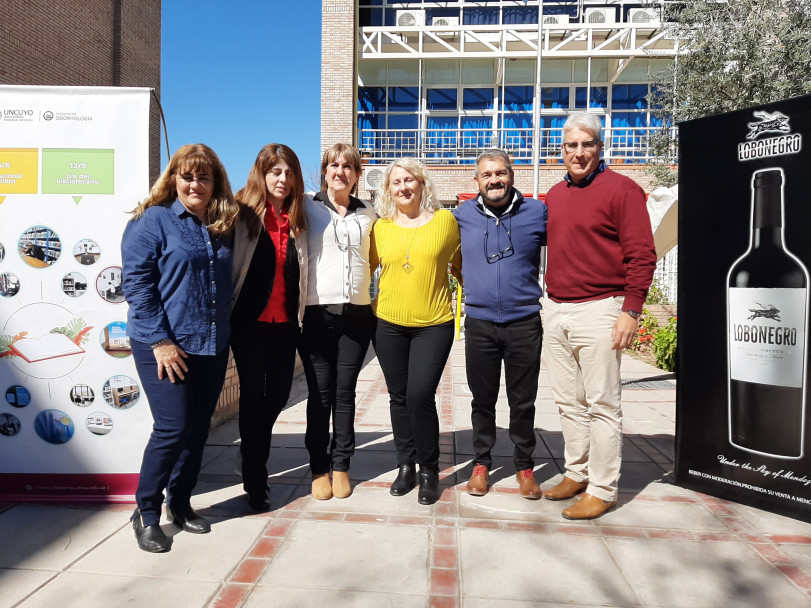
735,54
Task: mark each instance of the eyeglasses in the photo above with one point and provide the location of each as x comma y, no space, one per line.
507,251
572,146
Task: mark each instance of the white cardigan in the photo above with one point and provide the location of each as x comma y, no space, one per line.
338,253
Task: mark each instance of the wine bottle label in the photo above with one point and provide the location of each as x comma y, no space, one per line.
767,335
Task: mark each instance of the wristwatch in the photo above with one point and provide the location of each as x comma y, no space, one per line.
633,313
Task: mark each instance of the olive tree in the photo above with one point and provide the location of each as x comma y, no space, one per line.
734,54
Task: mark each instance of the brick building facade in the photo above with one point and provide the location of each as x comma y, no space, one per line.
93,43
85,43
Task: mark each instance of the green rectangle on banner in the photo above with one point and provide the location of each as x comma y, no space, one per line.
77,171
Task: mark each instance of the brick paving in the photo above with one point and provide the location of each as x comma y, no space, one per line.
663,546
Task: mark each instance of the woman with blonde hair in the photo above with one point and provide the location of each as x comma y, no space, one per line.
414,241
270,277
338,320
176,253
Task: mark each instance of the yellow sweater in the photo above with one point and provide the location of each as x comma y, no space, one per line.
421,297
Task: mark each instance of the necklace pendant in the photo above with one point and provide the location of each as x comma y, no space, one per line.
408,267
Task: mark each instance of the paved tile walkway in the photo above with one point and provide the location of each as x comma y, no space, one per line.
664,546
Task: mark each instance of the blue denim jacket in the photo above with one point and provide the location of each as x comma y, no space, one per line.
177,280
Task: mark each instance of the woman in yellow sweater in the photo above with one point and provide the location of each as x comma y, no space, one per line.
414,241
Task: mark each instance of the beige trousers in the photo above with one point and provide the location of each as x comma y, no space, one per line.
584,376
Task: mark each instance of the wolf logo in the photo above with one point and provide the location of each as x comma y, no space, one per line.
776,122
765,312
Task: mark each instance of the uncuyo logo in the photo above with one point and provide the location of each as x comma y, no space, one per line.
775,122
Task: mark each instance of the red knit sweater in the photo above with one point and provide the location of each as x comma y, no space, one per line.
600,241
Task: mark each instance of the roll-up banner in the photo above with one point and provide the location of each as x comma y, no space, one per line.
742,419
73,419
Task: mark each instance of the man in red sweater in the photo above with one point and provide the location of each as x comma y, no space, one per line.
601,260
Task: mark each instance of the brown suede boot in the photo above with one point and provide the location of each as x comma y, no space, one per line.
340,484
322,489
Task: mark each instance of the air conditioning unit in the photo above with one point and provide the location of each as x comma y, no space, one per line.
410,18
447,22
374,179
555,19
644,16
597,16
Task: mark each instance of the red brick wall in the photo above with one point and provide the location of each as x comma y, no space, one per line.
77,43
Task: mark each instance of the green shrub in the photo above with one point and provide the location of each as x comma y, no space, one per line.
664,346
646,330
656,294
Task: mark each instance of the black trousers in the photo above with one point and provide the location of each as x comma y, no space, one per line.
333,346
518,345
265,354
412,360
182,416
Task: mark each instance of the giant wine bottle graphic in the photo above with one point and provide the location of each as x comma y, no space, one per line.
767,306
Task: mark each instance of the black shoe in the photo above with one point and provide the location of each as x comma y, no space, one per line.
406,480
150,538
259,502
429,486
188,520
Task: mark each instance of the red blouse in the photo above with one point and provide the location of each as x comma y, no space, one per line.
278,229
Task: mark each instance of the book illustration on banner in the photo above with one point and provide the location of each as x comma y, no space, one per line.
86,252
9,285
768,314
18,396
53,359
49,346
40,246
121,392
54,426
9,425
58,342
82,395
74,284
99,423
2,252
108,285
114,339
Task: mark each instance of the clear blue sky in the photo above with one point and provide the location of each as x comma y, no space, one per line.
239,74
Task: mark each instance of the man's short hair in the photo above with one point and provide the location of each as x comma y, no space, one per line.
492,154
584,122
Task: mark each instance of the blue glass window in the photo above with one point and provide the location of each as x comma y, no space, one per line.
477,99
520,14
477,131
442,99
629,96
480,16
371,99
518,98
403,99
599,97
369,121
403,121
517,134
441,137
555,97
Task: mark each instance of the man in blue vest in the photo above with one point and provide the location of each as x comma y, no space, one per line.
502,234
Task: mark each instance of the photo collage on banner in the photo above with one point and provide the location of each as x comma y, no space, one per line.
742,424
73,163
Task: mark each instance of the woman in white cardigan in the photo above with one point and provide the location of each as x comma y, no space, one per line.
338,320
